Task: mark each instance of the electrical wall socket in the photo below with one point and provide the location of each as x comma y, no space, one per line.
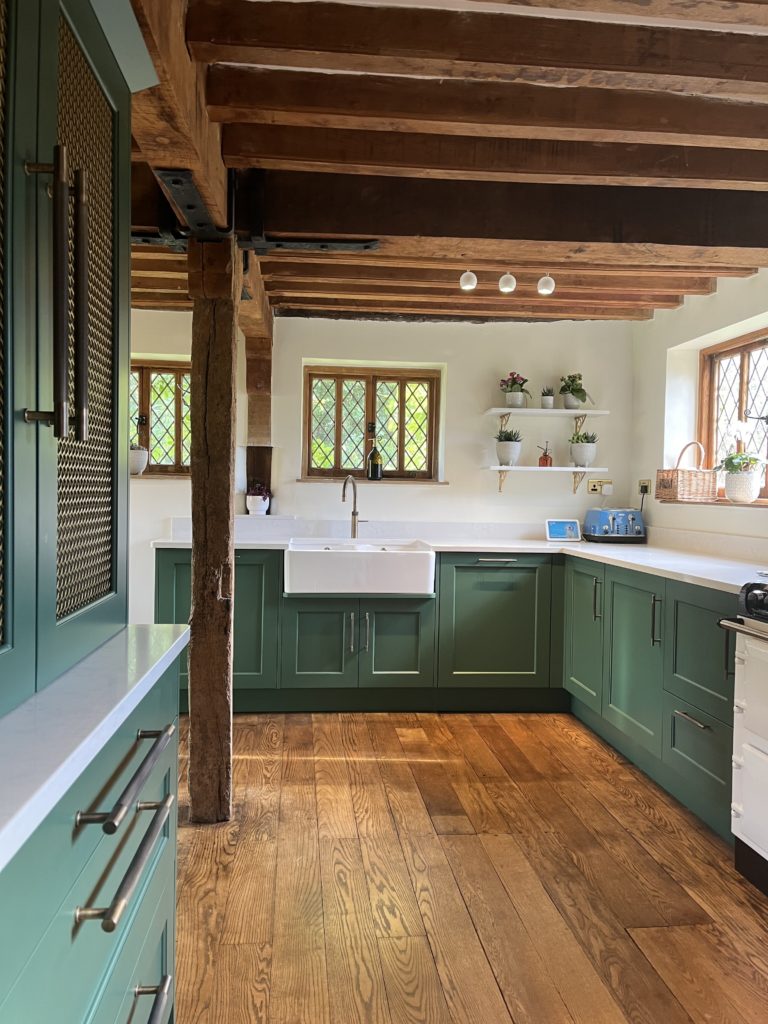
644,487
598,486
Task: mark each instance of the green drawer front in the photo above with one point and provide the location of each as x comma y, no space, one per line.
699,748
144,959
72,960
36,881
699,656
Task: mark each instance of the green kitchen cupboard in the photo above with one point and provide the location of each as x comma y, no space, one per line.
319,642
494,620
698,655
397,642
583,655
633,659
258,585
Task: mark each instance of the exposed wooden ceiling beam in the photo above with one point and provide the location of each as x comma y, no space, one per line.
533,312
340,151
169,121
389,103
509,47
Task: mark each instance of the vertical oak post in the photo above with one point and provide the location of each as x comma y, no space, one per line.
215,286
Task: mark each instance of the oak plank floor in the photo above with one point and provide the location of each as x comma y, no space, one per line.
453,869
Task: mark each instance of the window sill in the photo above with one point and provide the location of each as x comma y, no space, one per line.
362,480
722,503
162,476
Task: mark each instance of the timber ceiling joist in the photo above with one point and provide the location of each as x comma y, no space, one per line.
622,147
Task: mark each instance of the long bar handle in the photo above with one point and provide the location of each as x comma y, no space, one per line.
111,916
655,640
690,718
595,613
727,656
351,632
367,632
503,561
81,304
162,994
736,626
111,821
60,291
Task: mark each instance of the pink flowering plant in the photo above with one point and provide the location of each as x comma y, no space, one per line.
514,382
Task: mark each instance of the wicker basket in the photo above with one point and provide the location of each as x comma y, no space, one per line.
687,484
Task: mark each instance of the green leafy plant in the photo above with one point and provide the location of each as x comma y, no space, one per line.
573,384
138,448
514,382
586,437
547,392
740,462
509,435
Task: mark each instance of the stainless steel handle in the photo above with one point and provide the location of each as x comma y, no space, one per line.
595,613
655,640
81,304
690,718
367,632
111,821
351,632
503,561
110,916
162,994
737,626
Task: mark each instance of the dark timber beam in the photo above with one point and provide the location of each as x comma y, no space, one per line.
533,311
424,42
215,282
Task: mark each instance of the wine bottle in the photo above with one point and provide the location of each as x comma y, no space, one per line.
374,466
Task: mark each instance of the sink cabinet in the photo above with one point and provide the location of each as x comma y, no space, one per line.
583,654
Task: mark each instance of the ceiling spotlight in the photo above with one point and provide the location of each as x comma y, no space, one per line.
468,281
546,285
507,283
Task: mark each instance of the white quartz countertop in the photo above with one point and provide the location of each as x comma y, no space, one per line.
47,742
728,575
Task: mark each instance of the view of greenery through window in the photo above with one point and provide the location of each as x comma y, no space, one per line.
160,417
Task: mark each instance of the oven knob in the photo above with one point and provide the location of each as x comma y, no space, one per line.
757,600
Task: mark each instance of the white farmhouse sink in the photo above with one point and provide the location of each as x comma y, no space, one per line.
359,567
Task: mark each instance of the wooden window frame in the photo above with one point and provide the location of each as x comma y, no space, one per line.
145,368
372,375
707,419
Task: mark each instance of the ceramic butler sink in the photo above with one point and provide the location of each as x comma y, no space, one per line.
359,567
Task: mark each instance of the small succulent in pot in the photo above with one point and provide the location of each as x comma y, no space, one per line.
137,459
583,448
573,391
744,476
513,386
508,446
547,398
257,498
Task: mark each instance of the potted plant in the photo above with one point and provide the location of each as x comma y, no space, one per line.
257,498
547,398
572,390
508,445
583,448
744,476
137,459
513,386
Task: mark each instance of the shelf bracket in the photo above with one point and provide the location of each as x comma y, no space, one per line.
578,479
504,420
502,478
578,422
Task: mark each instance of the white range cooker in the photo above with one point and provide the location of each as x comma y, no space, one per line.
749,801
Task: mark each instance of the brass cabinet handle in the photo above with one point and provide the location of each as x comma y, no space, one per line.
162,994
367,632
690,718
111,821
111,916
655,640
351,632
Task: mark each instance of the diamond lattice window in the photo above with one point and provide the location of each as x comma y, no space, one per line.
160,416
346,409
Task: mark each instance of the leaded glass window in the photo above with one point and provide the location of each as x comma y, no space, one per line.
160,417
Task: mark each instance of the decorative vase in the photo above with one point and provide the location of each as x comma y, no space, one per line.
508,452
137,460
583,455
515,399
547,401
744,488
256,504
571,401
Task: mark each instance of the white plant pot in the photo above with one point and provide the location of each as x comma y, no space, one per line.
744,488
571,402
256,505
547,401
583,455
137,460
508,452
515,399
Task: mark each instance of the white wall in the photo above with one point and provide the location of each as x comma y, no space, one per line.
474,357
665,354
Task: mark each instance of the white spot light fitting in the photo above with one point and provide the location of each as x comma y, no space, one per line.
468,281
546,285
507,283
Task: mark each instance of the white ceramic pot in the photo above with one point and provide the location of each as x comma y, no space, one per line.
547,401
515,399
571,402
256,505
744,488
583,454
137,460
508,452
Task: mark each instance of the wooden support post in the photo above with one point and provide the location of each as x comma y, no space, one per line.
258,354
215,282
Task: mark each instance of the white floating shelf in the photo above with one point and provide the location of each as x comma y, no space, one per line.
507,410
549,469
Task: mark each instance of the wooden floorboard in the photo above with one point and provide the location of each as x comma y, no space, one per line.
428,869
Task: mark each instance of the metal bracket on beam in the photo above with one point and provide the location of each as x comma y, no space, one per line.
180,187
265,246
169,240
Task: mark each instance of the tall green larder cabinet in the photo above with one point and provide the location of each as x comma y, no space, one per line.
64,308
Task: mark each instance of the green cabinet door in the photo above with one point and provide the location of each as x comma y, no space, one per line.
319,642
584,593
494,620
258,585
633,655
397,643
698,655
